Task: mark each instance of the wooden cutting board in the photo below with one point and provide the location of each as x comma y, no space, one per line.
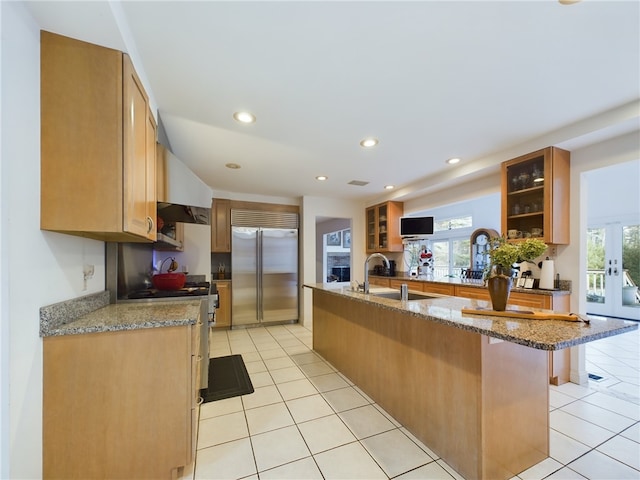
533,315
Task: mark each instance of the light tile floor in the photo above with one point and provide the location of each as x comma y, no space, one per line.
306,421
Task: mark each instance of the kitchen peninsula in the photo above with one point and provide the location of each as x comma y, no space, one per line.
473,388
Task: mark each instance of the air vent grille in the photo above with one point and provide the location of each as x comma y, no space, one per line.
358,183
257,218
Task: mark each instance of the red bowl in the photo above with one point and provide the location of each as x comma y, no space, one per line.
169,281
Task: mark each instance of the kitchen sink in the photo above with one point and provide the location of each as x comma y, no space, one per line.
396,295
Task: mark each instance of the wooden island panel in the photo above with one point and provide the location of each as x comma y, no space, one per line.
481,405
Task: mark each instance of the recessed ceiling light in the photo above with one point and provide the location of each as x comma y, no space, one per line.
369,142
453,161
389,187
233,166
244,117
322,178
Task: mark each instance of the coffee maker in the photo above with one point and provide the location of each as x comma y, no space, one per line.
392,268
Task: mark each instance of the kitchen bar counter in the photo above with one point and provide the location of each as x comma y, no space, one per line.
93,314
539,334
479,402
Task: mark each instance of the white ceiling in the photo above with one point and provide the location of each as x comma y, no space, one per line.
432,80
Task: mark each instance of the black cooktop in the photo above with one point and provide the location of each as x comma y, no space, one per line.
190,289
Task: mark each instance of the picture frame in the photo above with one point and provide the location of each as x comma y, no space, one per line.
346,238
334,239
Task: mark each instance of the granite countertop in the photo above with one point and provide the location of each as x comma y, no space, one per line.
539,334
93,314
565,285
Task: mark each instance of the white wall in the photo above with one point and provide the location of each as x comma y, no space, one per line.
571,259
312,208
39,268
614,191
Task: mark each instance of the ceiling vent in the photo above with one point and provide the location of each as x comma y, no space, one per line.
358,183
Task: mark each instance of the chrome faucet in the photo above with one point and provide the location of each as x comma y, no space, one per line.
366,269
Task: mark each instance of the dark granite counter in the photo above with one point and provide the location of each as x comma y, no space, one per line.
93,314
538,334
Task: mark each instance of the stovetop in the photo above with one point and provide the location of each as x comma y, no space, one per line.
190,289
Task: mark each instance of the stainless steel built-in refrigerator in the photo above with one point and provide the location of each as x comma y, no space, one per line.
264,288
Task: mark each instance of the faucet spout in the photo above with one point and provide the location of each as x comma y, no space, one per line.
366,268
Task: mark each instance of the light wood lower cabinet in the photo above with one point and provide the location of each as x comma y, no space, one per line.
120,404
223,312
379,281
440,288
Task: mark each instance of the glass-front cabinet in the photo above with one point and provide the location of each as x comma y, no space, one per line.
535,196
383,227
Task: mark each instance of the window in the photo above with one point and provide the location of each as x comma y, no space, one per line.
450,256
453,223
450,245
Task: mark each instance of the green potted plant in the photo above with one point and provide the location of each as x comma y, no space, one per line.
503,255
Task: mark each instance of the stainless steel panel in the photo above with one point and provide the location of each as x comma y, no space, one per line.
244,288
279,275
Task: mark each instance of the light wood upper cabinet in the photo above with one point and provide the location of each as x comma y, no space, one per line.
221,225
98,138
383,227
535,195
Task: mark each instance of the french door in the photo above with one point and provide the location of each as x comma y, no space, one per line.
613,270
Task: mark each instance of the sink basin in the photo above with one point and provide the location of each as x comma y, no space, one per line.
396,295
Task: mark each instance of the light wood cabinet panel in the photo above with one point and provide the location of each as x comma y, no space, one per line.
440,288
162,187
380,282
97,144
118,404
535,194
383,227
471,292
223,312
530,300
411,284
221,225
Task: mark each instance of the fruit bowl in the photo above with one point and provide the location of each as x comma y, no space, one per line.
169,281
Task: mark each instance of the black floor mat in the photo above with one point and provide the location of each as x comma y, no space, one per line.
228,378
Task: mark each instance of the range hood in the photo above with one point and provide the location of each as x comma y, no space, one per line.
174,213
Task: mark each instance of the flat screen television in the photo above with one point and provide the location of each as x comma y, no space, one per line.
416,226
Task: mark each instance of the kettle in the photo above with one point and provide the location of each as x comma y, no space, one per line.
546,275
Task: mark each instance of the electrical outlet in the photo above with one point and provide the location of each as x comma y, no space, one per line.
88,271
552,251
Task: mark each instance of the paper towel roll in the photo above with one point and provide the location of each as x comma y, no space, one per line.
546,275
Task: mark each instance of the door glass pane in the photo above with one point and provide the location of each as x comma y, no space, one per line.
461,252
441,258
595,265
630,264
